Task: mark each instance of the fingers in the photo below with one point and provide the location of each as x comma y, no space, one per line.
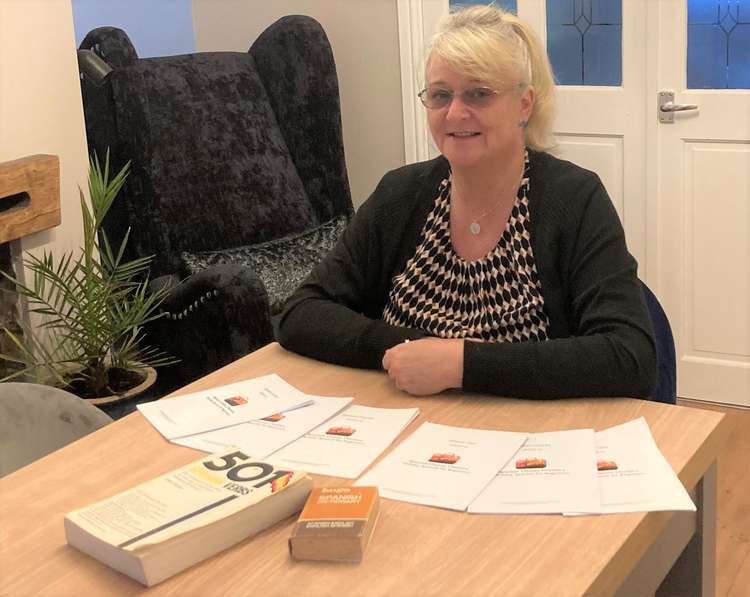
400,382
403,365
391,368
402,378
397,384
388,356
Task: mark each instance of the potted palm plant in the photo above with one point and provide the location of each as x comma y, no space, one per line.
92,308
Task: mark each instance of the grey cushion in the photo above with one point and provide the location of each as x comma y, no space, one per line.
36,420
281,264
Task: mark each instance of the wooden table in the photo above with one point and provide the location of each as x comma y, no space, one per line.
415,550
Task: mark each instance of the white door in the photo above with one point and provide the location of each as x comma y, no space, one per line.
682,190
699,219
602,128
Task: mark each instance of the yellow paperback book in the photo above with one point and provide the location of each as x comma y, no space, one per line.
158,528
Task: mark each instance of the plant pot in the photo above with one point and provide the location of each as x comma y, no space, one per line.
149,378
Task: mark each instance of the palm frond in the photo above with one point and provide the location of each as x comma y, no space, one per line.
92,305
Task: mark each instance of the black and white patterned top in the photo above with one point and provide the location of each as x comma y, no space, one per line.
494,298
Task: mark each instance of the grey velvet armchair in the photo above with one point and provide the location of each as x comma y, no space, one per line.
238,182
36,420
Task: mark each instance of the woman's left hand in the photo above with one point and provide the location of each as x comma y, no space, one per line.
426,366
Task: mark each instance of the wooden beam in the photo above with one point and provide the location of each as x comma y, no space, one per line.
29,195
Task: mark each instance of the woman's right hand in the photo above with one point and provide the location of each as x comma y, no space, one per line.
426,366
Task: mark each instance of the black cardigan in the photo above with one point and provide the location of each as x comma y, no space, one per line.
601,342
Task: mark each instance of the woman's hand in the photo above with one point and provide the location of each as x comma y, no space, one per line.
426,366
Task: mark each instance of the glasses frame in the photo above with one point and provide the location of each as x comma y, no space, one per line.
495,94
463,95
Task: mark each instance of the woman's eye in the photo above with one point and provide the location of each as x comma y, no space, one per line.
439,95
480,94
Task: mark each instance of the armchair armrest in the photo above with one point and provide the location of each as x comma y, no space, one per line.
211,319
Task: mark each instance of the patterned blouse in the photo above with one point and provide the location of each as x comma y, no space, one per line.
495,298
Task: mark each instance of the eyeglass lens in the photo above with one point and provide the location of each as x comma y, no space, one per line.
476,97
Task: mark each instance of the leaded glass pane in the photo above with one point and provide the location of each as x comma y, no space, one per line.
509,5
584,41
718,54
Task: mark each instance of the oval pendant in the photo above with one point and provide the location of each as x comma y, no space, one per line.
474,228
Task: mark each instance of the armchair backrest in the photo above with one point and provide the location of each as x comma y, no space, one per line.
218,161
295,62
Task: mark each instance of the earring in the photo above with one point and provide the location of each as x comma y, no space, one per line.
523,124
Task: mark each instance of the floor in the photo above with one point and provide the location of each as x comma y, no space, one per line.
733,524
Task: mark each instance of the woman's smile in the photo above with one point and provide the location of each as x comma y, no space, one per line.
464,134
470,133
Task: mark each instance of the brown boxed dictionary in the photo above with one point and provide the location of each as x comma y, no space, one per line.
336,524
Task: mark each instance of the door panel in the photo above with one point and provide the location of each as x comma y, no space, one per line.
717,315
601,154
703,221
602,128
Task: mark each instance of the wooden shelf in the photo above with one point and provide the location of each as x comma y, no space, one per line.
29,195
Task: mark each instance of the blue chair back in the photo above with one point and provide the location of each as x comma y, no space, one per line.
666,381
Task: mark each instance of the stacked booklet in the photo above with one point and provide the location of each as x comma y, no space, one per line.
271,419
563,472
481,471
444,466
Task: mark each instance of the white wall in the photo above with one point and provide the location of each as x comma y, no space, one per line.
40,104
364,38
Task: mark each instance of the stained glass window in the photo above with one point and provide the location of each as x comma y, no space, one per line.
584,41
718,54
509,5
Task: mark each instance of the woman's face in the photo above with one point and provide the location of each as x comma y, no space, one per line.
470,136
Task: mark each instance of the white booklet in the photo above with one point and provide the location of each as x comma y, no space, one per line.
262,437
223,406
444,466
553,472
633,474
347,444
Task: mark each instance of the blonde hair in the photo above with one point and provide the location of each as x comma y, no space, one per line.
489,44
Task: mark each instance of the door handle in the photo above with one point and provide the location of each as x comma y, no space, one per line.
667,107
672,107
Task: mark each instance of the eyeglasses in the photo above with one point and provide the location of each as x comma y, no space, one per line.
435,98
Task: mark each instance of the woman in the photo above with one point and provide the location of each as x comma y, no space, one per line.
493,268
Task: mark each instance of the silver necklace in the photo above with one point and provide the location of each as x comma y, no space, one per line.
474,227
